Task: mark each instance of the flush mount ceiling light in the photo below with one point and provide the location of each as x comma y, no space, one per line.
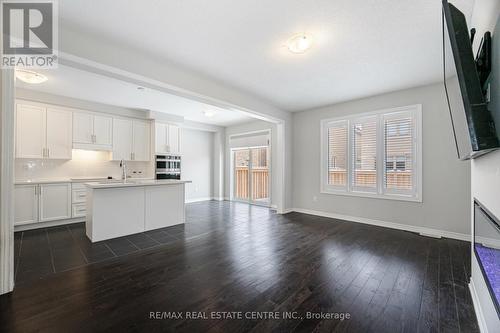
30,76
299,43
209,114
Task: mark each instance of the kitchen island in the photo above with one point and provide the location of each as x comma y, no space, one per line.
116,209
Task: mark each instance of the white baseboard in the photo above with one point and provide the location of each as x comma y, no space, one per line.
489,242
421,230
477,308
38,225
199,199
430,235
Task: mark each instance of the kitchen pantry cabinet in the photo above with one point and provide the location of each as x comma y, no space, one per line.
91,131
42,202
131,140
43,132
167,138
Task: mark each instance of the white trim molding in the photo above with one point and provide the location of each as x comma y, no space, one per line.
477,308
7,181
424,231
48,224
200,199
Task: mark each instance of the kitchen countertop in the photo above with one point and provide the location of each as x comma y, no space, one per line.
135,183
72,180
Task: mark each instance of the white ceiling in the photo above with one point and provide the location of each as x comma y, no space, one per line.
75,83
361,48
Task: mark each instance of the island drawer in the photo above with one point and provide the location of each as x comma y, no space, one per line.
79,210
79,196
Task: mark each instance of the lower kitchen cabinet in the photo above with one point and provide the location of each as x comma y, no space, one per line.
55,201
42,202
25,204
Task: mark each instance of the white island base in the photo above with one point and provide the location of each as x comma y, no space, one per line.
120,209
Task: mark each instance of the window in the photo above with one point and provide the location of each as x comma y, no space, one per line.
337,154
354,147
364,152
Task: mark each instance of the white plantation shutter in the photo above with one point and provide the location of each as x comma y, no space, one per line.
337,153
364,154
399,152
377,154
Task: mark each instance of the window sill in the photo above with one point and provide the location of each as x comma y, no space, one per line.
396,197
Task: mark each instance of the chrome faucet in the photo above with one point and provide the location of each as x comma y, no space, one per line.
124,169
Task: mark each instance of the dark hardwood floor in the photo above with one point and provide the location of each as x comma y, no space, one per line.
232,259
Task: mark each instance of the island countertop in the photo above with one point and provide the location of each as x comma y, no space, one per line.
135,183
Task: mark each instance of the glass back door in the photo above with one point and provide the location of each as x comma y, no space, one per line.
251,175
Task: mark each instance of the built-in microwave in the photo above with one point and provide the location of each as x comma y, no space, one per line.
168,166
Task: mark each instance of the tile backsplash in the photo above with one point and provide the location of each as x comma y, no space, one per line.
85,163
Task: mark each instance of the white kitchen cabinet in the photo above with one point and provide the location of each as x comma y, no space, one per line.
174,139
83,128
25,204
78,200
161,138
142,141
41,202
30,131
91,131
167,138
103,128
132,140
59,134
159,214
43,132
123,131
55,201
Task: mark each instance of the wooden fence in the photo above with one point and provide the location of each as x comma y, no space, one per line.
260,183
395,179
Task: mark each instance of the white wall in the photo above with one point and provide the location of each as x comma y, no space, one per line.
485,174
252,126
446,180
197,163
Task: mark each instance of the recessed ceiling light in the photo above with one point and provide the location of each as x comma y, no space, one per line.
141,88
299,43
209,114
30,76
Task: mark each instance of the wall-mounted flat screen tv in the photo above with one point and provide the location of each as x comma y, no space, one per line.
473,124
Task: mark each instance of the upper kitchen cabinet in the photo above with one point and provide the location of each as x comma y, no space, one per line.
142,141
167,138
91,131
131,140
43,132
59,134
123,132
